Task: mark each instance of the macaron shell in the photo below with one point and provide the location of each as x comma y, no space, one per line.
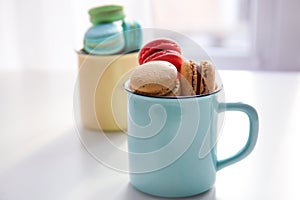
106,14
175,91
155,78
157,45
132,34
166,55
186,79
208,77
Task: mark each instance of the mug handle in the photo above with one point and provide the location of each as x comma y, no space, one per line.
253,132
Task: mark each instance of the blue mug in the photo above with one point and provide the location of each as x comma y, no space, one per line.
172,142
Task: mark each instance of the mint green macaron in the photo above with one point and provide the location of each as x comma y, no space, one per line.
106,14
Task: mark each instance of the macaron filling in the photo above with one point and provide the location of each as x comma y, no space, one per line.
196,78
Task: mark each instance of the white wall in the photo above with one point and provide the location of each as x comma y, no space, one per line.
278,32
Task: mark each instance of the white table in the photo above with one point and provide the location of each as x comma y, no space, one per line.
41,156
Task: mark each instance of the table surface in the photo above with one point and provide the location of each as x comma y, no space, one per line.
41,156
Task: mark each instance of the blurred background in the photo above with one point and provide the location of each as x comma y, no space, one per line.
237,34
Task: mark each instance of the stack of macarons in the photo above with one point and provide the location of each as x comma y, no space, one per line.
164,72
111,32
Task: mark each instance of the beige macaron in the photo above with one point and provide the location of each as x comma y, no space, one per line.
155,78
207,77
197,79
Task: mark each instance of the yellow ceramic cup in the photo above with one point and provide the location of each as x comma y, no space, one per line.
101,96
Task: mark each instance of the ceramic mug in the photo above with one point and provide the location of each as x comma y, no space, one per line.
98,79
172,142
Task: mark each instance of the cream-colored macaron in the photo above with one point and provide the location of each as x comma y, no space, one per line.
155,78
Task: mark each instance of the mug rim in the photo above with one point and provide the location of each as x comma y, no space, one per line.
126,88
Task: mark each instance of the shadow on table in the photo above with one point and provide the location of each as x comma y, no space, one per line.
133,194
